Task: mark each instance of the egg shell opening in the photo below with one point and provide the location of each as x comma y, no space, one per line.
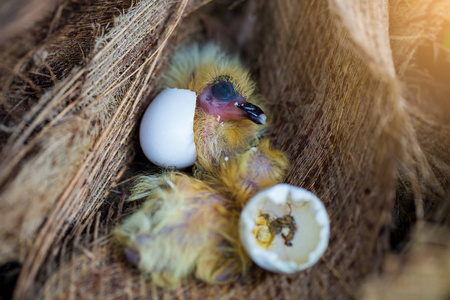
167,129
311,237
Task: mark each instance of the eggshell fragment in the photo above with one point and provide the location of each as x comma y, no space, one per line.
310,238
167,129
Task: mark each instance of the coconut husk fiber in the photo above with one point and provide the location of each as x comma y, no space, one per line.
360,112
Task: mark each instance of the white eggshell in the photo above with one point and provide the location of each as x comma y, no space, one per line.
310,240
167,129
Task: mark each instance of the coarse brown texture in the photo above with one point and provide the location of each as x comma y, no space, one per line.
423,66
19,15
358,106
338,97
46,53
421,271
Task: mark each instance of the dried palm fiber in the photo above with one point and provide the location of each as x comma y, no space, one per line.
63,155
18,15
47,52
422,64
420,272
341,115
422,269
425,79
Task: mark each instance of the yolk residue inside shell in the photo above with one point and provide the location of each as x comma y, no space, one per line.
262,230
267,228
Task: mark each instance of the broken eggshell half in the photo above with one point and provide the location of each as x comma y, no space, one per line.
284,228
167,129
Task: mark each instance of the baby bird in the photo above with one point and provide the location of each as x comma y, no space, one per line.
188,226
227,119
184,228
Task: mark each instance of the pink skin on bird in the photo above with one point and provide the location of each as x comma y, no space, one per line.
227,110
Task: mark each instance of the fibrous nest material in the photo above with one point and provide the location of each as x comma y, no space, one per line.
358,98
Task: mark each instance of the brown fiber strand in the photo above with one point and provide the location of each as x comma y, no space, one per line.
338,275
76,181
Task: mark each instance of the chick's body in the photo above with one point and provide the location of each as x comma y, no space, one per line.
242,176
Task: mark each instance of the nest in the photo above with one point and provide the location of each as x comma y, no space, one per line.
357,104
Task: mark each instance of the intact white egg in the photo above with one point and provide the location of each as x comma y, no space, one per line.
167,129
284,228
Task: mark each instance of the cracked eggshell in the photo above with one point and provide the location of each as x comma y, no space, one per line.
312,228
167,129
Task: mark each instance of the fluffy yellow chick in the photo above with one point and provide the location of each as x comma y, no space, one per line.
227,119
187,226
184,228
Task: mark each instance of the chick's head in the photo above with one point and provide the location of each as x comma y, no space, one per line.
221,99
228,114
222,84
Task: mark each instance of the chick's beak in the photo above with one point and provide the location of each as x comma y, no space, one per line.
253,112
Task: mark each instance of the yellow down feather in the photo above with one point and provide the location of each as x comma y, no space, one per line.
184,228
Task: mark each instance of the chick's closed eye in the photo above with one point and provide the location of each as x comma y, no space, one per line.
223,91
